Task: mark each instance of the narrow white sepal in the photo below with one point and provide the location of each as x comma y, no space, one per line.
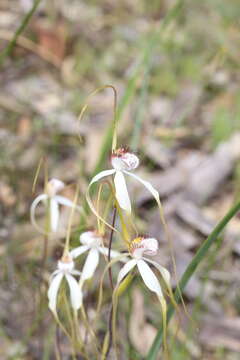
66,202
54,274
126,269
101,175
96,178
122,192
54,214
78,251
35,203
75,292
90,265
149,277
76,272
163,271
147,185
103,250
53,291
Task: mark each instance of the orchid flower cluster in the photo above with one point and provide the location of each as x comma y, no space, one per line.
135,254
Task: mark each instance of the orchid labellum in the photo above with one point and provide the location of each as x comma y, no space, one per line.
137,249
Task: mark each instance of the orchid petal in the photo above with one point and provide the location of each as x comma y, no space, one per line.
126,269
34,205
75,292
103,250
54,274
66,202
149,278
122,192
90,265
163,271
75,272
53,291
101,175
78,251
54,214
89,238
147,185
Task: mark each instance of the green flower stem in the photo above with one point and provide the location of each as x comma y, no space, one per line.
200,255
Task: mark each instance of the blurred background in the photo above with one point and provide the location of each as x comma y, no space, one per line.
175,66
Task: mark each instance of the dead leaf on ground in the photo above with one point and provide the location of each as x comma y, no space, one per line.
139,329
221,332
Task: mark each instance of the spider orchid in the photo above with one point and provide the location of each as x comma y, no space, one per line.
51,195
137,249
92,242
123,163
65,270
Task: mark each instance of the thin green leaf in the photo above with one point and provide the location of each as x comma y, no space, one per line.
153,40
200,255
8,50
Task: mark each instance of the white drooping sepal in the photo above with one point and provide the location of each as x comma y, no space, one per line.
149,277
121,192
91,238
65,269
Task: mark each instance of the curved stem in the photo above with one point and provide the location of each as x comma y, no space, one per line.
85,107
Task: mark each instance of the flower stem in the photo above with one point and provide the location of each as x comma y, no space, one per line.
58,351
110,246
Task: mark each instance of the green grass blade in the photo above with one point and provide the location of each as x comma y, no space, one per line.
143,65
8,50
200,255
153,40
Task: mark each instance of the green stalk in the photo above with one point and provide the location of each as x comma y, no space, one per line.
8,50
107,142
200,255
153,40
142,66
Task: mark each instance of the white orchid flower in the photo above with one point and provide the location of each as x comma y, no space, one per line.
92,242
123,163
137,249
65,270
51,195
